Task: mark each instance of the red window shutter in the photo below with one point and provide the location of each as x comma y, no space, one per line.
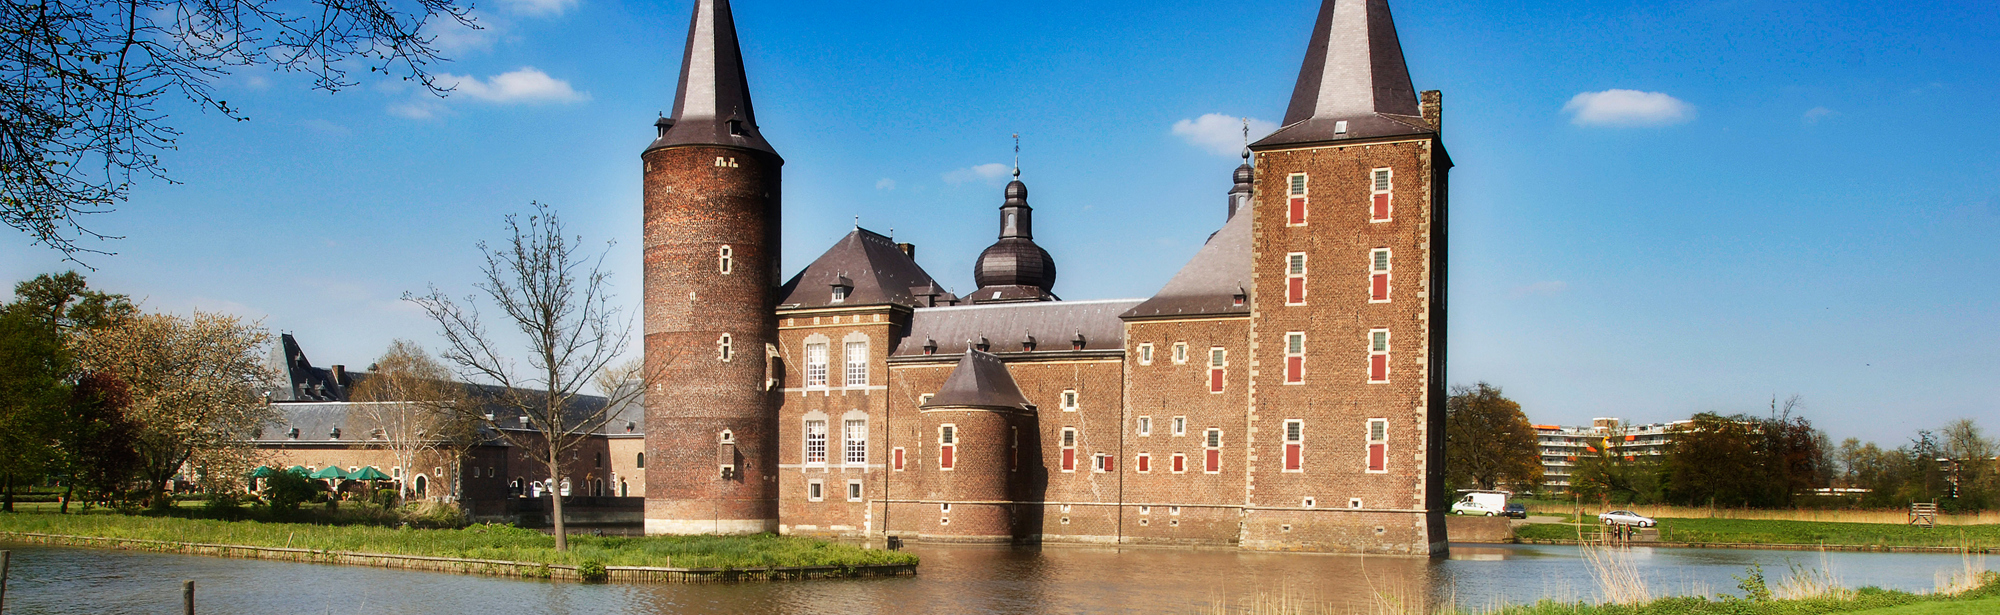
1295,290
1069,459
1381,284
1109,462
899,459
1215,380
1214,460
1292,456
1378,367
1180,463
1298,210
1377,457
1295,369
1382,206
1145,463
944,457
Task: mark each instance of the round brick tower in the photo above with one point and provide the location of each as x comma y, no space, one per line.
711,277
983,432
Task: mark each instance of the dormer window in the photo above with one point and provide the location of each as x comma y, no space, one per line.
524,422
983,345
735,128
629,426
333,434
294,433
1077,343
1028,345
930,346
841,286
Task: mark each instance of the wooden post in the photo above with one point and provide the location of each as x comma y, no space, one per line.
187,597
5,558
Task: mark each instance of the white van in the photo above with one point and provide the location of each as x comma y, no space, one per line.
1482,503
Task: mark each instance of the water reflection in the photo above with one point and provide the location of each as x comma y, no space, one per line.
957,579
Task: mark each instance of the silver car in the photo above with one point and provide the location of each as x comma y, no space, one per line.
1626,517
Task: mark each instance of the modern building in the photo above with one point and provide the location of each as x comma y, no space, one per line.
1562,447
1283,391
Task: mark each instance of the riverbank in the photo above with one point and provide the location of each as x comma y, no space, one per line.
1775,534
495,550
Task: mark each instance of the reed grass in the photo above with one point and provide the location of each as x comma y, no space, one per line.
1897,517
1752,531
491,542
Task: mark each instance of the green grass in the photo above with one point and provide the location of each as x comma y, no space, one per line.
1869,600
497,542
1972,607
1744,531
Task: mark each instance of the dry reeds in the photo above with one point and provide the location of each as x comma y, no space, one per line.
1618,578
1970,576
1809,582
1824,515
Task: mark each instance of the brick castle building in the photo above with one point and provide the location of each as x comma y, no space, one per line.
1283,391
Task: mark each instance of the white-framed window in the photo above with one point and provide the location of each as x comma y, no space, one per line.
1378,445
1378,275
815,441
853,490
725,347
726,260
1212,441
816,365
1180,463
1295,211
1378,356
1295,278
815,490
1295,357
1354,503
1145,426
1069,449
857,364
1180,426
1295,442
1069,400
856,441
1381,187
839,294
1180,352
1146,353
1145,465
947,446
1218,362
1101,463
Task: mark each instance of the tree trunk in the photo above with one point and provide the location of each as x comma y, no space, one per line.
556,500
7,485
69,491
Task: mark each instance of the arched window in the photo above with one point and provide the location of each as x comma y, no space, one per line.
423,485
726,260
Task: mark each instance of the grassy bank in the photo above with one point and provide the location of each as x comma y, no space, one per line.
1833,515
1752,531
494,542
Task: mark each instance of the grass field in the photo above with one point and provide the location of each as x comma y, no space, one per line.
1751,531
1555,507
496,542
1990,606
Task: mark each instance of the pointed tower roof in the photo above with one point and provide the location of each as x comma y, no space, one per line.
876,270
1353,83
980,381
712,105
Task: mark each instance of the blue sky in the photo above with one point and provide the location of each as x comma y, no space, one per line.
1659,208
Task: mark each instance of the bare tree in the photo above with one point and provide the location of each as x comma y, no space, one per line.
80,83
555,298
416,409
192,382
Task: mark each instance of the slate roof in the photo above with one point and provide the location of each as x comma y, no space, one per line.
1209,284
980,381
1354,73
298,380
879,272
712,104
1006,326
1014,267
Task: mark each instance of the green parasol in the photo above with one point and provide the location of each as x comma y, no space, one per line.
369,473
332,472
263,472
299,470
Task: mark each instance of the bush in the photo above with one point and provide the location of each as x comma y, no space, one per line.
286,491
593,572
386,498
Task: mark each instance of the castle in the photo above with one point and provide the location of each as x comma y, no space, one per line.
1283,391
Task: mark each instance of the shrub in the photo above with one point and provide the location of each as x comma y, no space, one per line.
593,572
286,491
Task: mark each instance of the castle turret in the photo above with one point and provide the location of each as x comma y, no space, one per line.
1014,268
711,277
985,430
1239,195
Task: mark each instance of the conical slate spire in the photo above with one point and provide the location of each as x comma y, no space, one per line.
1353,73
712,104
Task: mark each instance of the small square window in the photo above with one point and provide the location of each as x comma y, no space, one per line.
1180,353
1180,426
1295,264
1381,180
815,491
1146,354
1378,340
1069,401
854,491
1145,426
1298,184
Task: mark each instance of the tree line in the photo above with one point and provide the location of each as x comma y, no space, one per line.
1774,460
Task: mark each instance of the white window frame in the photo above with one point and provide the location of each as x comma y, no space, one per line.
1068,441
1178,463
1143,463
1180,426
854,450
1069,400
1375,187
856,374
1145,426
815,490
899,454
1218,360
1297,265
726,259
725,347
1298,186
1381,261
839,295
1146,353
948,437
1211,440
854,490
1369,437
813,438
1382,350
1294,435
1295,350
1180,353
816,371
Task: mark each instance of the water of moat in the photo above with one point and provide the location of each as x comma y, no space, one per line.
953,579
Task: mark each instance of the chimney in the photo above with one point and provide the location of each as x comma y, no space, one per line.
1433,103
909,249
339,374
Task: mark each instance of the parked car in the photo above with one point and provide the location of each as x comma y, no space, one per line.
1516,511
1473,507
1626,517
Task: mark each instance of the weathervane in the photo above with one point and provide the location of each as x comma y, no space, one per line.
1017,155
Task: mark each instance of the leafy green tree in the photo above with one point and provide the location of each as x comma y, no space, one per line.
94,440
1744,461
32,367
1488,440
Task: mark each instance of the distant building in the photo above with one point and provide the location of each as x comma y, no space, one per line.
1562,447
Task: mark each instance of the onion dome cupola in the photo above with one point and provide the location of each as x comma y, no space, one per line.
1014,268
1239,196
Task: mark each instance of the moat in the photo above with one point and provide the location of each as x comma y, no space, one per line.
953,579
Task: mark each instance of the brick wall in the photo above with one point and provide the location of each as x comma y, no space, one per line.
880,327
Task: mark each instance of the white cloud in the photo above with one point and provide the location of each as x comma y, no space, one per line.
989,172
540,8
1540,289
454,37
325,128
1221,134
1627,108
885,184
1815,114
418,109
525,85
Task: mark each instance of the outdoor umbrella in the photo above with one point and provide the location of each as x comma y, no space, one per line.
299,470
330,472
369,473
263,472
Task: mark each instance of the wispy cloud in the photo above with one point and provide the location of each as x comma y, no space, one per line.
454,37
1627,108
325,128
1816,114
1540,289
539,8
1221,134
885,184
985,172
523,85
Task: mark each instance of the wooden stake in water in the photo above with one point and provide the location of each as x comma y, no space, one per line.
187,597
5,558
